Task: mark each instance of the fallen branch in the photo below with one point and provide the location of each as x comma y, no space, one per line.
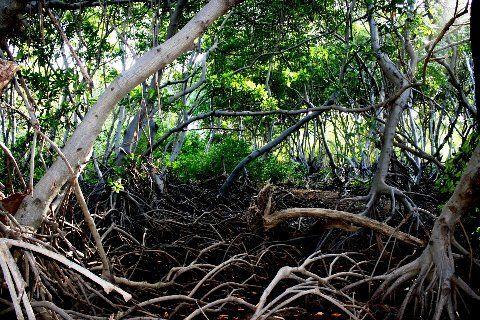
272,220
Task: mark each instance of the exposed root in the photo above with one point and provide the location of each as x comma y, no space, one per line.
203,261
272,220
410,209
17,284
264,205
432,276
310,283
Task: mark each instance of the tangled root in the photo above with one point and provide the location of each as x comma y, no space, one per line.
311,283
396,196
433,275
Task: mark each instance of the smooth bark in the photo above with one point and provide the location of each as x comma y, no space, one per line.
79,147
274,219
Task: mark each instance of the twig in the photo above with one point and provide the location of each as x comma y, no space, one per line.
107,286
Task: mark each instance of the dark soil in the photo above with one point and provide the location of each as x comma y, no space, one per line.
159,232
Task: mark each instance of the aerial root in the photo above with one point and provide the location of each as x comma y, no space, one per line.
465,287
414,289
311,283
18,283
404,273
396,196
442,286
329,278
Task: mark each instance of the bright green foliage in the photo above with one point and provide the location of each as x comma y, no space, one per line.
270,55
455,166
197,163
275,170
116,185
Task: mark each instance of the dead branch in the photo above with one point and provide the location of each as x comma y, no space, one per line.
272,220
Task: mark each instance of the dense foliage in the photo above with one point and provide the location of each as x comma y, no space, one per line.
364,112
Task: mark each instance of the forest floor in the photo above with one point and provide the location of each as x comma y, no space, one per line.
188,241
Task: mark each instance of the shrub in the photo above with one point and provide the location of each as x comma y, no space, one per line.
195,163
455,166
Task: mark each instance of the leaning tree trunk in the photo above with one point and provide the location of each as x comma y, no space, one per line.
142,119
465,197
434,270
79,147
400,81
387,142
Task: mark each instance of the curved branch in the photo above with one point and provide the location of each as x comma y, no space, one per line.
79,147
227,113
275,142
272,220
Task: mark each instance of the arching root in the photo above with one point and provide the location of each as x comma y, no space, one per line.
433,276
310,282
396,196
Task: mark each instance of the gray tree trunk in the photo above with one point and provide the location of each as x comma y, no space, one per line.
79,147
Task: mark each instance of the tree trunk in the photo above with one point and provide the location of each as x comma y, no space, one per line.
474,32
436,261
388,138
465,197
399,80
79,147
